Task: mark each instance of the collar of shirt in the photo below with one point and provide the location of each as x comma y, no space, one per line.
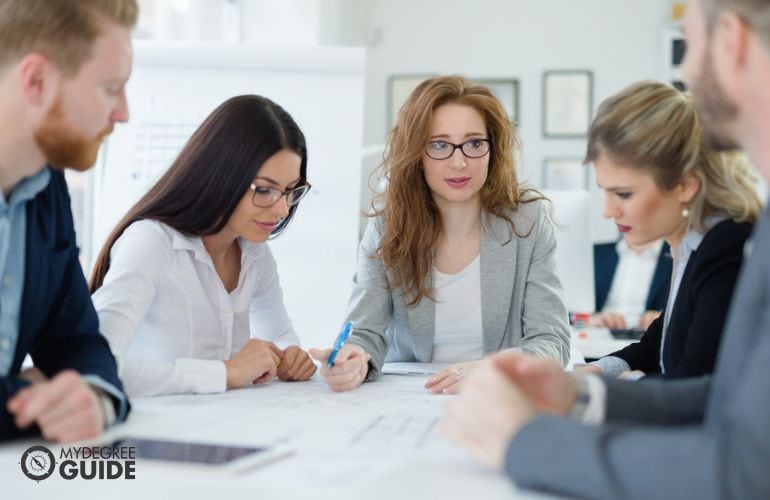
693,238
651,252
249,250
26,189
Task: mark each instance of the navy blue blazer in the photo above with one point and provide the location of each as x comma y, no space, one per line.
699,310
606,262
58,325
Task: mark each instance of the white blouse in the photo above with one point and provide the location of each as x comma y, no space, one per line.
458,332
169,320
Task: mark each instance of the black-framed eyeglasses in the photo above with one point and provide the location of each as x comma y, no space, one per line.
266,196
441,150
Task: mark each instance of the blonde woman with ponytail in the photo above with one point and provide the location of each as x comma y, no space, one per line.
661,180
459,259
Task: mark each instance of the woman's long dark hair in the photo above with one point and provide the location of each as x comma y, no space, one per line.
199,192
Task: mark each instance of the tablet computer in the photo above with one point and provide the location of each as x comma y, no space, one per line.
626,333
207,456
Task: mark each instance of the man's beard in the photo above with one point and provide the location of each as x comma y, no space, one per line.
716,109
63,146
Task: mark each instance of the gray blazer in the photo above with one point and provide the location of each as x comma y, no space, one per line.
704,438
521,296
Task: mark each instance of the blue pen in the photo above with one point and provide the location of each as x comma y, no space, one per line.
340,341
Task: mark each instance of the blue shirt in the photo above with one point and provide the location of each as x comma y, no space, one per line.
13,239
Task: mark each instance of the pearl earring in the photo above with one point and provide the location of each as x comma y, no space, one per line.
685,212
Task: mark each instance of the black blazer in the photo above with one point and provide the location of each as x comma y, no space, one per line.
700,308
606,262
58,325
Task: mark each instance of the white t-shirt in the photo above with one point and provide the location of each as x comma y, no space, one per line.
168,318
458,330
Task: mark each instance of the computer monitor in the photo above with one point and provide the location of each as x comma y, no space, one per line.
574,251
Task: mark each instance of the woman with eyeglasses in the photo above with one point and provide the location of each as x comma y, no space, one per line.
185,287
459,259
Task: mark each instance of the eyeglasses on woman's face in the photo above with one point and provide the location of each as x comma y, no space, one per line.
474,148
267,196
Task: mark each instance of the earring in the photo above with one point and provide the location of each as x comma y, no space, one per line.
685,212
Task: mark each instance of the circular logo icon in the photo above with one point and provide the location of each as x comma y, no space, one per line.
37,463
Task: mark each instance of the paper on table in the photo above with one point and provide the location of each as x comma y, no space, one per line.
413,368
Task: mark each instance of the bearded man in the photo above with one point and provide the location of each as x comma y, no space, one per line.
63,69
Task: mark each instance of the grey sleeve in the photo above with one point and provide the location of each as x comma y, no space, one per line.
544,317
657,401
371,305
725,456
610,462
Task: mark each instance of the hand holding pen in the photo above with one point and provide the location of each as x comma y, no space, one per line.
345,366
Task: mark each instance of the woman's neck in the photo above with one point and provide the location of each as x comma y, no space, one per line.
675,239
459,221
218,245
460,239
225,253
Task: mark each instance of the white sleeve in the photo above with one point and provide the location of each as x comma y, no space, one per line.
268,317
591,399
138,267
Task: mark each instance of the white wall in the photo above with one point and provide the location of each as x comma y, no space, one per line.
620,41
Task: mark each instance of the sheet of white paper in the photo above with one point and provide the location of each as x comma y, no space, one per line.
359,434
413,368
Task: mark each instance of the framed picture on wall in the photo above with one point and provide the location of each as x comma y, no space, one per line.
566,172
567,103
399,88
507,91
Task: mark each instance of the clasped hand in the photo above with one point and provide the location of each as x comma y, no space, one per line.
260,361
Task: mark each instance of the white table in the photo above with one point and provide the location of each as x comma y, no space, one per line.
593,342
380,441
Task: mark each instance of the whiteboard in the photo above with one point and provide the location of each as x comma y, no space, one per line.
174,87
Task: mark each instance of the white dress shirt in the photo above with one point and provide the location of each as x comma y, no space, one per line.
631,281
458,331
628,293
168,318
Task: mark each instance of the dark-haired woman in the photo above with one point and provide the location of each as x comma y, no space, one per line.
186,288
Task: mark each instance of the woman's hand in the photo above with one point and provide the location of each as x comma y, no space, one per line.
296,365
256,362
350,366
449,380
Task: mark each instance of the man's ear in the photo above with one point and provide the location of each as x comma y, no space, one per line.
730,49
39,79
